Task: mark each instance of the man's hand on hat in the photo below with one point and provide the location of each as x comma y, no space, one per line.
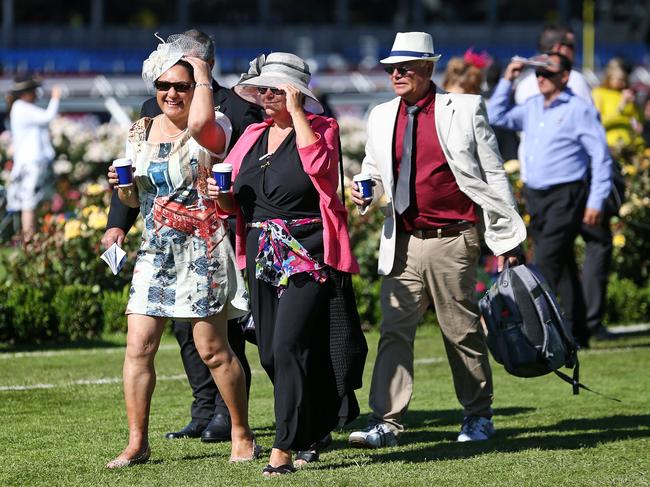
201,70
513,70
294,98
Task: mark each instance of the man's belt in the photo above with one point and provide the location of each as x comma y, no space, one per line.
447,231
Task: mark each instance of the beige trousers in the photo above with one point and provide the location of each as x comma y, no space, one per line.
442,271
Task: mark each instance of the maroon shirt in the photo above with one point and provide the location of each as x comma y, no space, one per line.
435,200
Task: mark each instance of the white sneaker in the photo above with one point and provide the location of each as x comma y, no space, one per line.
476,428
377,436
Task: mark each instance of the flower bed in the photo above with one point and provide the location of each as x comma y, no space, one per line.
58,288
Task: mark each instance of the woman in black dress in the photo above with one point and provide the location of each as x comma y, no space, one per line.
292,238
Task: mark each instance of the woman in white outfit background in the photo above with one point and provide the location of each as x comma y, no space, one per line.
29,182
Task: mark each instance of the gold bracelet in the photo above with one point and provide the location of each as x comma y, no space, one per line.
206,85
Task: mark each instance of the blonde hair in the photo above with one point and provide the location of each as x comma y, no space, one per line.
461,74
615,69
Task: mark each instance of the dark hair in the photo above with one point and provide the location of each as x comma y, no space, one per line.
204,39
565,62
551,35
187,66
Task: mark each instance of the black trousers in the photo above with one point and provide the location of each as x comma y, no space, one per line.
555,221
207,400
595,270
293,342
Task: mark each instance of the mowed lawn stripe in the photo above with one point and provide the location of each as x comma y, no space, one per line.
545,435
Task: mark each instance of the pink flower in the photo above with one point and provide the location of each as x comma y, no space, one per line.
480,60
480,287
57,203
73,194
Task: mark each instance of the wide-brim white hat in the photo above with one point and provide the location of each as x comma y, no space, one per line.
411,46
276,69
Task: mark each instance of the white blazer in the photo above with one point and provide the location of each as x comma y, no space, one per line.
470,147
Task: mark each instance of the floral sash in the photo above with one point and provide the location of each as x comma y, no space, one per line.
280,255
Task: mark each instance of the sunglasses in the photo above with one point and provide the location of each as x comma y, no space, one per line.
546,74
180,87
570,45
401,70
275,91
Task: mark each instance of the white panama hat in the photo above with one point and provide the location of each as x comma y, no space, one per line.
275,69
411,46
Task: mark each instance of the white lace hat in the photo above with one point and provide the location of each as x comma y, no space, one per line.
411,46
275,69
169,53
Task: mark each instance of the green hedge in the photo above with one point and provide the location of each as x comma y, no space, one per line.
28,314
113,307
72,312
78,311
627,302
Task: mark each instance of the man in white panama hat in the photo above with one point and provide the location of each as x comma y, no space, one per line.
437,174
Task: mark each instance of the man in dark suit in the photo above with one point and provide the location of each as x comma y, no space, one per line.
210,418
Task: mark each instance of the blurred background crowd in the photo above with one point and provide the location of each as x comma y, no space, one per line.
93,50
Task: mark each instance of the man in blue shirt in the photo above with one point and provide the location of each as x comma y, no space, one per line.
568,173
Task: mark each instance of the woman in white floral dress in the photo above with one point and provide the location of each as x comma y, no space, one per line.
185,266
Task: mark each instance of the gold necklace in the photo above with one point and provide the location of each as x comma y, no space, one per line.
160,127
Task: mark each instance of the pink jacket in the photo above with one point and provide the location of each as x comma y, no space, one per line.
320,161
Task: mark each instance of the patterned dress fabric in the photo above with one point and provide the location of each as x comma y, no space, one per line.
280,255
185,266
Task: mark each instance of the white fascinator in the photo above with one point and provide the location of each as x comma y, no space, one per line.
169,53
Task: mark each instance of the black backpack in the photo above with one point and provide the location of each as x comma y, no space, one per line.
526,330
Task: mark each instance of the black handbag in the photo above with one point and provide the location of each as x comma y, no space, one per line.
617,194
348,347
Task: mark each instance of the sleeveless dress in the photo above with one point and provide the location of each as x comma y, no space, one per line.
185,267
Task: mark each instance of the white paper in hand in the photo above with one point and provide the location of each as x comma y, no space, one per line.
115,257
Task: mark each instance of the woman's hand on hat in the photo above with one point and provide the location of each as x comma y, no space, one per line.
57,90
201,69
294,98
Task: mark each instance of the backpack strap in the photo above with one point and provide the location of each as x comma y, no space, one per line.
559,315
577,385
539,288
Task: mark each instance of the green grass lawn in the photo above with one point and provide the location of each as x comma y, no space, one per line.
63,427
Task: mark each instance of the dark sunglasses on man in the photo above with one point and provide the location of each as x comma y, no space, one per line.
401,70
180,87
276,91
546,74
